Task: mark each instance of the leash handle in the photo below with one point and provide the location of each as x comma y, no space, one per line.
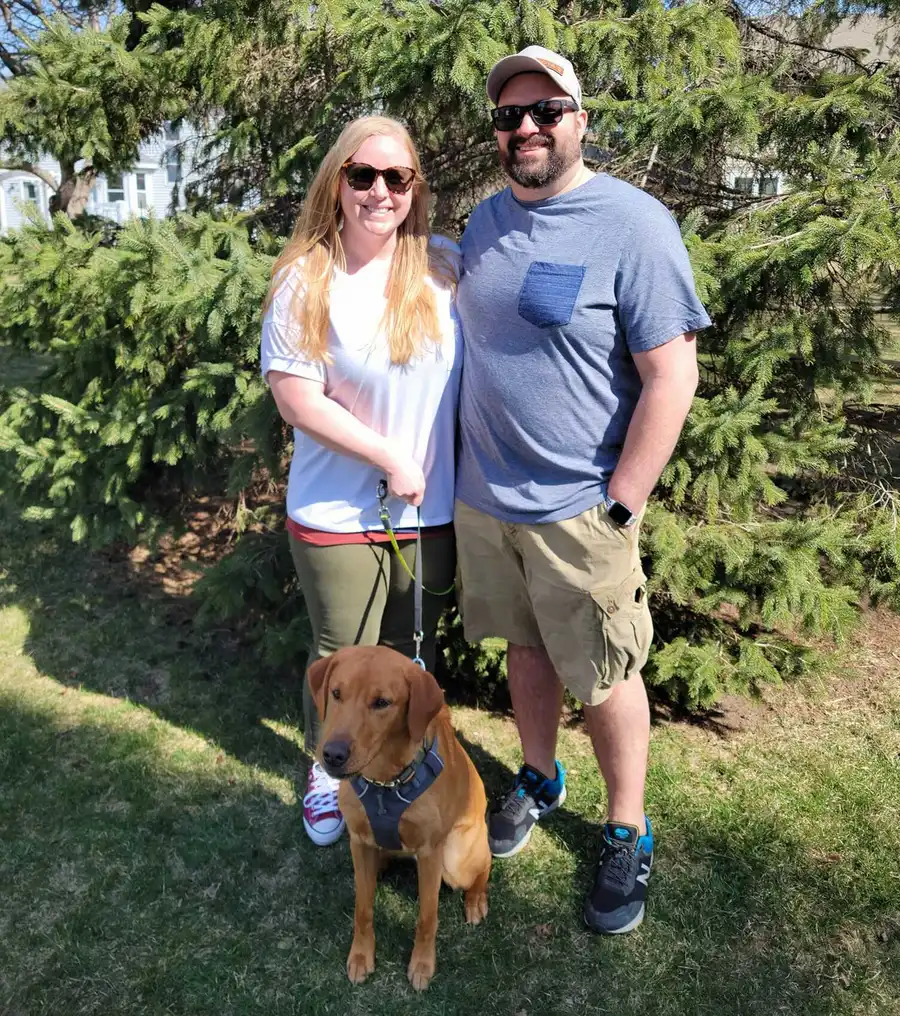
385,516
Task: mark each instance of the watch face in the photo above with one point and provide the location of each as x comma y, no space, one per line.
619,513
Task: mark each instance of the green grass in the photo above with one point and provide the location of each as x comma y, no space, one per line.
153,861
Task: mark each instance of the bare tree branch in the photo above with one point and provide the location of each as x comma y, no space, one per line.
34,11
10,61
30,167
650,162
11,27
776,36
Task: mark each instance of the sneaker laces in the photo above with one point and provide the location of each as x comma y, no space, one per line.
519,799
619,868
321,794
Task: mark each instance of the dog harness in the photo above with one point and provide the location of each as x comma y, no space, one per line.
386,802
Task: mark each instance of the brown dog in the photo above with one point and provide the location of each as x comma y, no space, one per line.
384,718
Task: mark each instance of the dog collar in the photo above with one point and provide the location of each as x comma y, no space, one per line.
408,772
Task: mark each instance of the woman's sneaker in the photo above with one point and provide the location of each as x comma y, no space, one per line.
515,815
616,902
322,817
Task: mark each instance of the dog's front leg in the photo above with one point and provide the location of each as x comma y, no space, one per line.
361,961
422,961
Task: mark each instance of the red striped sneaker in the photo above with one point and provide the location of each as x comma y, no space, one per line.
322,817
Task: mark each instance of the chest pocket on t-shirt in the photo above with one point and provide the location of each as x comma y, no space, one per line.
548,294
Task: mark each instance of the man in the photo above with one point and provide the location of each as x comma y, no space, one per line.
579,311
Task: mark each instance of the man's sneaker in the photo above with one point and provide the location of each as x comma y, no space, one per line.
514,816
322,817
616,902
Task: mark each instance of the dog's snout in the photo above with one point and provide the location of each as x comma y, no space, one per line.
335,754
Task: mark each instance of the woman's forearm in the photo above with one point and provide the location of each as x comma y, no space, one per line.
303,404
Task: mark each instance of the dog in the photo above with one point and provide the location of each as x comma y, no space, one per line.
386,733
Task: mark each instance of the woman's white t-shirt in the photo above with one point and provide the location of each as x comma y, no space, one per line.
412,405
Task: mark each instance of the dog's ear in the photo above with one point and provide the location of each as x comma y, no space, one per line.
317,675
426,700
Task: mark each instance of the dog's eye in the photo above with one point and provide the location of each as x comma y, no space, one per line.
336,694
380,703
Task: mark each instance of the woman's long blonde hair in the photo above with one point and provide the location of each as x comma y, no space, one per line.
315,249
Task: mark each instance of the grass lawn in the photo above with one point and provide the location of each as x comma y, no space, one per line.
153,860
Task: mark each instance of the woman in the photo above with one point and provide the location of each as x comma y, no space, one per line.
362,352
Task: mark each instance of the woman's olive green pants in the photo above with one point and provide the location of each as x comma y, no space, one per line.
358,594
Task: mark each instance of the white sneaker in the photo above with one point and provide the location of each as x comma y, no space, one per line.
322,817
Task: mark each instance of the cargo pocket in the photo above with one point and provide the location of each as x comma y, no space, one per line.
548,294
624,627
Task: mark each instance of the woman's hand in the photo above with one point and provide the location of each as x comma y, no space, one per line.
405,479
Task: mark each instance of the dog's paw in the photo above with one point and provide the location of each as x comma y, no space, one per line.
360,964
476,906
420,972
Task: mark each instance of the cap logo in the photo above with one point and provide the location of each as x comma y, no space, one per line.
550,64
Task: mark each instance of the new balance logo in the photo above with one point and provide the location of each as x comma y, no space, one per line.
645,874
534,813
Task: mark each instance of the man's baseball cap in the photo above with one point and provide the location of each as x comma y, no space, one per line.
534,59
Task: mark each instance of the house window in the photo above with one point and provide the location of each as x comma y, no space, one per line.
141,182
172,132
744,184
173,165
115,188
768,185
31,192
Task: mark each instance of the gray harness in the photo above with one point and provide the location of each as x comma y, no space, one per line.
386,802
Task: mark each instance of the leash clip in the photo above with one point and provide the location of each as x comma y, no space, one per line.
381,492
418,637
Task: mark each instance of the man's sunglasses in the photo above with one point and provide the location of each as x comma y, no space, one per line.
545,113
361,177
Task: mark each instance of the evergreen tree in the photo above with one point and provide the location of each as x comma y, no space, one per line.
78,93
773,521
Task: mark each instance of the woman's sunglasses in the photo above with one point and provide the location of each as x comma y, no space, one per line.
361,177
545,113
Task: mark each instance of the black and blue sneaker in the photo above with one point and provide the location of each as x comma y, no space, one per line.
616,902
513,817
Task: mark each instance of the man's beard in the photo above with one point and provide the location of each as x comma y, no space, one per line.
535,177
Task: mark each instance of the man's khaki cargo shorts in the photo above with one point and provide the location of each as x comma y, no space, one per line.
575,586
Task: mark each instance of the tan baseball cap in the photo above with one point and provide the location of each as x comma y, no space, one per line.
531,59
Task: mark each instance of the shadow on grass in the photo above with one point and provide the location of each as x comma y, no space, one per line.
142,878
93,625
143,882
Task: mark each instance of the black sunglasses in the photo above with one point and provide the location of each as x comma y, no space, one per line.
361,177
545,113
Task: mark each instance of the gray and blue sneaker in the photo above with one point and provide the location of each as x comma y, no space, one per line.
616,902
513,817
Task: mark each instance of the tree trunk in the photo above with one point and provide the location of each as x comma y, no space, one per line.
74,191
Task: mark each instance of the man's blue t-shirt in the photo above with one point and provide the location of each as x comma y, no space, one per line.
554,298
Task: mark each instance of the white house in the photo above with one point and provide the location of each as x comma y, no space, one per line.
155,183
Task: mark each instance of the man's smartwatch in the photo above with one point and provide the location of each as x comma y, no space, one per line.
621,514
